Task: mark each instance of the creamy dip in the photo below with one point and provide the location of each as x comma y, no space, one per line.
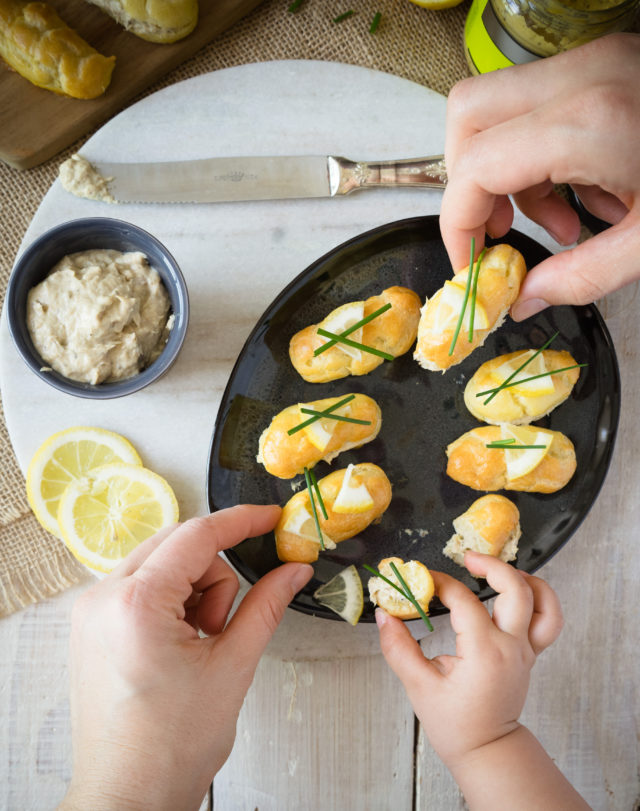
99,316
81,178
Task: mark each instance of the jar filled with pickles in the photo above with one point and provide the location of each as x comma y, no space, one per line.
500,33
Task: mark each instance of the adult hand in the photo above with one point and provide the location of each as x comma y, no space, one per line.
572,118
154,705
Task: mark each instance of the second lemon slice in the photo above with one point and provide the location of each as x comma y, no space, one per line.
523,461
302,523
319,433
450,305
340,320
66,457
343,594
531,388
353,496
108,512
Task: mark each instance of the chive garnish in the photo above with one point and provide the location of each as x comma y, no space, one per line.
405,590
474,294
335,416
375,23
313,506
534,377
520,368
467,290
314,482
341,339
320,414
344,16
505,445
295,5
353,328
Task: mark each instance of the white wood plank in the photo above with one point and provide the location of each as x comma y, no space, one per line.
323,734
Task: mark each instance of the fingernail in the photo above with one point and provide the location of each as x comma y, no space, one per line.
381,617
302,576
525,309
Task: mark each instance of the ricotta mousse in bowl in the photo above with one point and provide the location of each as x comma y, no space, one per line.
97,307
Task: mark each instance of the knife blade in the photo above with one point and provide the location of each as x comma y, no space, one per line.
214,180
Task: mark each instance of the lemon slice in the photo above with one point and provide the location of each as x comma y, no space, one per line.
343,594
436,4
532,388
353,496
108,512
302,523
450,305
319,433
521,462
65,457
341,319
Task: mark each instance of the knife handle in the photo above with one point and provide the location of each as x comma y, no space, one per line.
346,176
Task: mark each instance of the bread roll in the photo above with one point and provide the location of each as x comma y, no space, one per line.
43,49
393,332
286,455
160,21
470,462
491,525
291,546
416,576
502,271
515,404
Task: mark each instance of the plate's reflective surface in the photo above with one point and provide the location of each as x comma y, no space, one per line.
422,412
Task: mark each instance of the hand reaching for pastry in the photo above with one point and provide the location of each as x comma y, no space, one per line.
571,118
469,703
153,705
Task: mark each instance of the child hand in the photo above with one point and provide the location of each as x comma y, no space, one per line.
469,700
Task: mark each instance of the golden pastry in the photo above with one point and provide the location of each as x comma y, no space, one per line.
353,498
502,271
524,402
286,455
491,525
416,576
472,463
43,49
393,332
160,21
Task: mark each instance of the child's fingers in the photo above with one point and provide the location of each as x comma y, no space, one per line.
546,622
404,655
469,618
513,607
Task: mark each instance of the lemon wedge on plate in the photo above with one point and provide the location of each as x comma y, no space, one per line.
108,512
521,462
353,496
343,594
531,388
302,523
450,305
340,320
66,457
319,433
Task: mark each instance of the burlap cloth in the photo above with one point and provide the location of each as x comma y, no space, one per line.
417,44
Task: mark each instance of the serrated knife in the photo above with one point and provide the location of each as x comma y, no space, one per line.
232,179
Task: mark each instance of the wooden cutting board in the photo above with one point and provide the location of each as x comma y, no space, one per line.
36,124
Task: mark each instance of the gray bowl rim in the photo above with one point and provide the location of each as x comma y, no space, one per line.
172,278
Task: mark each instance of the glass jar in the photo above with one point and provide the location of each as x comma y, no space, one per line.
499,33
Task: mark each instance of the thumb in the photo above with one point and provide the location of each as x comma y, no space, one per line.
585,273
262,610
404,655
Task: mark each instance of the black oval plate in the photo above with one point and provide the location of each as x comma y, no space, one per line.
422,412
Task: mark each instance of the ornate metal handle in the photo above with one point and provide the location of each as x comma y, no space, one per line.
346,176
